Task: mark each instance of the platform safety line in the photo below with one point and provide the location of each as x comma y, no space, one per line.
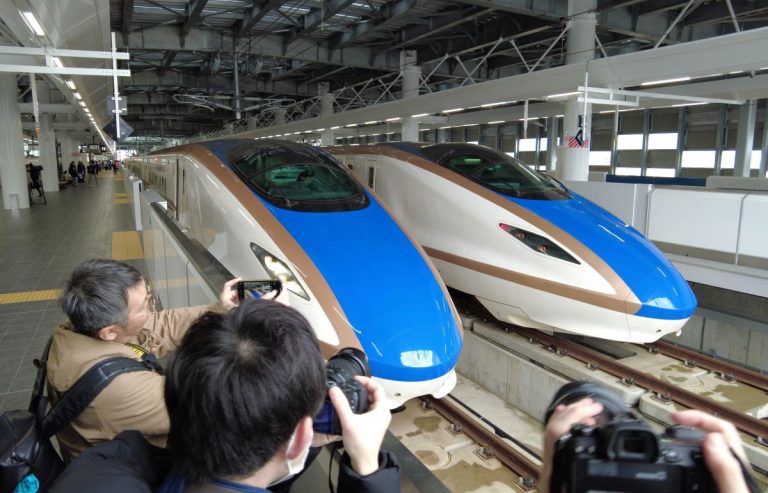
121,201
29,296
126,246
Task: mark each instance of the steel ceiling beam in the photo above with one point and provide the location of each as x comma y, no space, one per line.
167,62
127,18
389,14
253,16
316,16
194,9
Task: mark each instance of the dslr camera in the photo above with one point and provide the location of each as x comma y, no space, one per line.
623,453
340,371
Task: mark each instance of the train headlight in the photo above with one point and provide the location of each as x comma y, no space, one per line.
278,270
538,243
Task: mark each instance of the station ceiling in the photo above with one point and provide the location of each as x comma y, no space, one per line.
183,53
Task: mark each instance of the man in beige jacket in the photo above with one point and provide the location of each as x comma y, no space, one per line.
108,305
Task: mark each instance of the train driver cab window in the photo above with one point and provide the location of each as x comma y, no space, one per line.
297,177
495,170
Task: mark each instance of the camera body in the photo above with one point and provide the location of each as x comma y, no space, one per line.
623,453
340,371
626,455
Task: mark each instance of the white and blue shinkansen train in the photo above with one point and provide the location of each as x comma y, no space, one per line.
277,209
531,251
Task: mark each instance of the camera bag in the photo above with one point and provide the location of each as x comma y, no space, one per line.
26,451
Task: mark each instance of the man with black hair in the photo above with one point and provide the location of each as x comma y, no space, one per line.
111,313
241,392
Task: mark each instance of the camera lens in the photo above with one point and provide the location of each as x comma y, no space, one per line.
613,405
345,365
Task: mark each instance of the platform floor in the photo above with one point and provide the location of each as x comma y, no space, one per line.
39,248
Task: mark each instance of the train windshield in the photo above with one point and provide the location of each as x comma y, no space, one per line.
496,170
298,177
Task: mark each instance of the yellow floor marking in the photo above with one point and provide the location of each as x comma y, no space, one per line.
27,296
122,201
126,245
121,195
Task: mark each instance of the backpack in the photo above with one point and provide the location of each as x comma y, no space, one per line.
26,452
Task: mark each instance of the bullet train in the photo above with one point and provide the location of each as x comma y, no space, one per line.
282,210
532,252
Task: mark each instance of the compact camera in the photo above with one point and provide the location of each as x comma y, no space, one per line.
340,371
623,453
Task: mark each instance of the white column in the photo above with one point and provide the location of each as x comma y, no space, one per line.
327,137
745,137
47,141
13,175
67,147
411,72
279,116
573,162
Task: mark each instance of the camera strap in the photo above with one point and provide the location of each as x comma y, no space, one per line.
751,483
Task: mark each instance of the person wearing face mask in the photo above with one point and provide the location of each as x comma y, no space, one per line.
241,392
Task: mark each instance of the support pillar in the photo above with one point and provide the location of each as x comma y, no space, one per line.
745,138
615,142
67,147
13,175
764,145
573,162
47,143
647,124
327,137
682,129
279,116
720,136
410,73
443,135
552,131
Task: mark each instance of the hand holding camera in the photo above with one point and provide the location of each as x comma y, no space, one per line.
594,442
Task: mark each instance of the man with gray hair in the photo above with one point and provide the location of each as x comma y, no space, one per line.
111,313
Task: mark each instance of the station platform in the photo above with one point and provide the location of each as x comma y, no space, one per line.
39,248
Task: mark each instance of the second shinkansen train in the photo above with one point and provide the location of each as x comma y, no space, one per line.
277,209
531,251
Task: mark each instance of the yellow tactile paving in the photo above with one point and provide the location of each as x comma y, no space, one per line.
122,201
121,195
126,245
27,296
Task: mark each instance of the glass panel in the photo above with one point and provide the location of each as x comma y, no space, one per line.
662,141
629,142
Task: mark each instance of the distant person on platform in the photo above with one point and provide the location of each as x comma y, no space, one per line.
72,170
35,178
80,172
109,307
92,174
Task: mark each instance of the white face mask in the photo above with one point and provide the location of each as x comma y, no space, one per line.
294,466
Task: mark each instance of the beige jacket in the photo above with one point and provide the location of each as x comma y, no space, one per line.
132,401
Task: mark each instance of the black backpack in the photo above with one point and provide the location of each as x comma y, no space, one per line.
26,451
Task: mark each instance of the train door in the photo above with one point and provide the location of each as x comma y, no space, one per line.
176,197
183,196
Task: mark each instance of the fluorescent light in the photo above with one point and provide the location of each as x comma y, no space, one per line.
71,85
77,95
454,110
57,61
336,127
393,119
352,125
320,130
419,115
736,72
370,123
33,24
563,95
491,105
688,104
666,81
496,122
82,103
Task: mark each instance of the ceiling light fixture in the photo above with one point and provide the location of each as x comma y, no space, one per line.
32,23
71,85
491,105
393,119
563,95
57,61
665,81
77,95
454,110
420,115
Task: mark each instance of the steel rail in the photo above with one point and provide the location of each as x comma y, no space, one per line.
663,390
512,458
701,360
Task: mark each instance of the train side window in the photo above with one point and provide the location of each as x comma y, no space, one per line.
371,180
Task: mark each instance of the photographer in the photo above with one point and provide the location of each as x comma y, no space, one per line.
721,448
111,313
241,393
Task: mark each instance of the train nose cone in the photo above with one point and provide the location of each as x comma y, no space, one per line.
422,350
664,295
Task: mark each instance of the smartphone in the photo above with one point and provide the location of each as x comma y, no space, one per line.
258,288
